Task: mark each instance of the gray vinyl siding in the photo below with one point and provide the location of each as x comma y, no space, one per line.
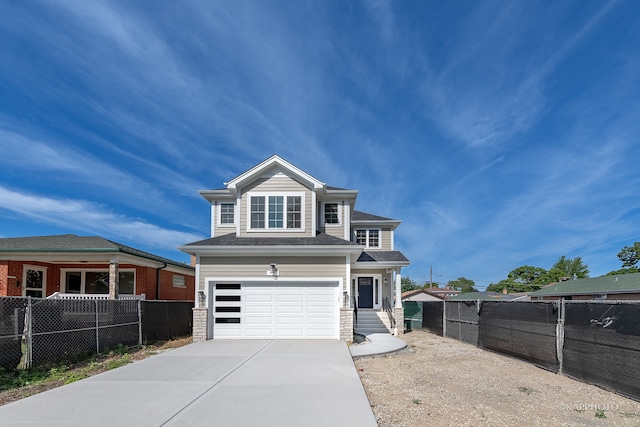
277,184
257,266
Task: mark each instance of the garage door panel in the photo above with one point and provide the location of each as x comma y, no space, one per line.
226,332
297,298
258,320
320,298
255,297
314,309
289,320
289,309
258,309
289,332
319,320
258,332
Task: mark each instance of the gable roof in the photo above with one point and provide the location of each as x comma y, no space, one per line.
70,243
408,294
618,284
269,163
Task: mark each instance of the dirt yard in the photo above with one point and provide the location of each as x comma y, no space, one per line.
443,382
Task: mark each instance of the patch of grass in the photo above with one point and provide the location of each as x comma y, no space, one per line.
600,414
417,401
125,359
629,414
526,390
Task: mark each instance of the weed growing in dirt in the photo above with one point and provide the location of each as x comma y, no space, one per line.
600,414
526,390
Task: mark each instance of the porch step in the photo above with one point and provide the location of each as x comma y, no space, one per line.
372,322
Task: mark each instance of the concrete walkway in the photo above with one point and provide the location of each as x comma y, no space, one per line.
221,383
377,344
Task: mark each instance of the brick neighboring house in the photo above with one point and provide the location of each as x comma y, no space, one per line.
618,287
41,266
289,257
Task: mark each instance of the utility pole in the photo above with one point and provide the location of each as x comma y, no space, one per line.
430,278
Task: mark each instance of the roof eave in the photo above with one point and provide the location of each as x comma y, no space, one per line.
289,250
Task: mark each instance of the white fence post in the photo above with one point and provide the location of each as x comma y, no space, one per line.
560,334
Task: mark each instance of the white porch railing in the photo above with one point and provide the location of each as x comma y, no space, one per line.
91,297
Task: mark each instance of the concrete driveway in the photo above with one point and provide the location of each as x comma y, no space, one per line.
213,383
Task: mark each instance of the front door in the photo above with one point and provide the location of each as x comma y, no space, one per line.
365,292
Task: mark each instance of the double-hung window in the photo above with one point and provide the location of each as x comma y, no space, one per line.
331,213
276,212
369,238
227,213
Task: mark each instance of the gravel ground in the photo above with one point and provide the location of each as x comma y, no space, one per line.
443,382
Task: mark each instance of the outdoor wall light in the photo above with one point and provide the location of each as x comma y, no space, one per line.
274,271
201,298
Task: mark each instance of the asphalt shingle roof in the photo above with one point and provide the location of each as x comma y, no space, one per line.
382,256
620,283
321,239
483,296
73,243
363,216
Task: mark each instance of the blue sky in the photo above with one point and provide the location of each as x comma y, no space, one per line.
501,133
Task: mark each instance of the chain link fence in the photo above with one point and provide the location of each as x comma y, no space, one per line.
35,331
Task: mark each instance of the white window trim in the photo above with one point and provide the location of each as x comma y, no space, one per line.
324,220
64,271
355,230
284,194
26,267
219,215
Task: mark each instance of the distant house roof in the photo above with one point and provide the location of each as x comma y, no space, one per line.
483,296
618,284
70,243
417,293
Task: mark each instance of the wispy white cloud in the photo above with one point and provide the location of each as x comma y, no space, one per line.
92,218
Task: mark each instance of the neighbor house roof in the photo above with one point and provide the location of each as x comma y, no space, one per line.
618,284
70,243
483,296
413,293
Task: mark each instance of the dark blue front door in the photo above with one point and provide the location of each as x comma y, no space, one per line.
365,292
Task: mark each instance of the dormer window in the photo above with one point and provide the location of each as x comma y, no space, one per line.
276,212
369,238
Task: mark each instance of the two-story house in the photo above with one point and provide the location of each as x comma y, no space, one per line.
290,257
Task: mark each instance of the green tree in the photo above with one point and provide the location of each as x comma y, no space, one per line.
406,284
566,267
629,255
462,284
522,279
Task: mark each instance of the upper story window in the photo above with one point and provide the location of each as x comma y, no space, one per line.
276,212
369,238
331,213
227,213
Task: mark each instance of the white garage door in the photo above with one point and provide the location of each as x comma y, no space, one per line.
275,310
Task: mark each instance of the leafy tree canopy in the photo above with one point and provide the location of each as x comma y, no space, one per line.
630,255
462,284
566,267
406,284
523,279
